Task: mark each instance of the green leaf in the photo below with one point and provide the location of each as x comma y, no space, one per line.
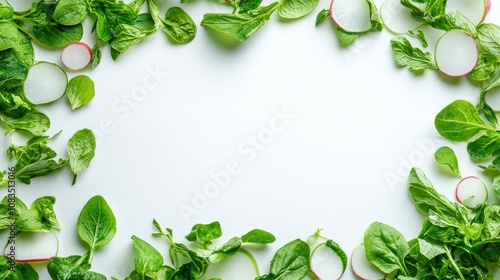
346,37
147,258
322,15
12,38
111,14
6,12
413,58
455,20
429,250
446,156
223,252
12,67
203,234
459,121
80,91
22,271
247,5
40,217
12,101
179,25
72,268
292,261
258,236
386,248
496,186
420,35
485,68
96,223
35,122
96,56
240,26
292,9
489,38
484,146
38,169
129,35
332,245
375,17
10,208
70,12
81,150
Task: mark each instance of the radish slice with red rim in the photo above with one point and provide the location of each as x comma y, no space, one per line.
46,82
32,247
328,261
362,268
474,10
351,15
76,56
471,192
456,53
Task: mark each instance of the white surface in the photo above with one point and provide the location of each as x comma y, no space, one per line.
359,123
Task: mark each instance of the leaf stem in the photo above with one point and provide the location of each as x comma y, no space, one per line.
252,259
453,263
74,180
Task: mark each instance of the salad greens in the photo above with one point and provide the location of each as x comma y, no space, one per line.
446,156
81,150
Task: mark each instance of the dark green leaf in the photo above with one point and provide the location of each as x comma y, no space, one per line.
413,58
386,248
179,25
12,38
81,150
22,271
96,224
12,68
36,123
58,36
80,91
459,121
111,14
223,252
322,15
147,258
72,268
247,5
40,217
70,12
12,101
292,9
240,26
203,234
129,35
258,236
484,146
445,155
292,261
39,168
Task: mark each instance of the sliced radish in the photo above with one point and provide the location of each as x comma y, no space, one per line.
328,261
362,268
456,53
471,192
396,17
474,10
32,247
46,82
76,56
351,15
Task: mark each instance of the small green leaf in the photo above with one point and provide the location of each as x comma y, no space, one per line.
179,25
413,58
12,67
484,146
70,12
81,150
292,261
322,15
80,91
96,223
258,236
203,234
445,155
96,56
346,37
292,9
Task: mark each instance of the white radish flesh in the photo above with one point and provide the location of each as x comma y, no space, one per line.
351,15
33,247
474,10
76,56
396,17
456,53
362,268
327,263
46,82
471,192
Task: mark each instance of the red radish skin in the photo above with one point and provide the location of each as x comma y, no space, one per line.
76,56
362,268
454,52
488,8
474,187
41,247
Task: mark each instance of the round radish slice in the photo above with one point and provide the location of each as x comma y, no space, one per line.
76,56
46,82
456,53
474,10
33,247
396,17
351,15
471,192
328,261
362,268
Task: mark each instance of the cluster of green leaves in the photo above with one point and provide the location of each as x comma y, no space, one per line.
292,261
455,242
350,37
96,226
40,217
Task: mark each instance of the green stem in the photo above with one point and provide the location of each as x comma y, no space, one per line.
312,276
252,259
448,253
74,180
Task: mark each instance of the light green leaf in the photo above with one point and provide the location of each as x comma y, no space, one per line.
80,91
445,155
413,58
292,9
81,150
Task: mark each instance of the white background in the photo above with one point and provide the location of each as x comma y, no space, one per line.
357,121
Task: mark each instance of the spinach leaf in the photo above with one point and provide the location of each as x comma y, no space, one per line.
12,68
203,234
80,91
23,271
446,156
487,65
459,121
12,101
129,35
240,26
489,38
346,37
484,146
322,15
246,5
12,38
96,223
179,25
110,14
40,217
81,150
96,56
6,12
9,214
386,248
258,236
292,9
72,268
292,261
71,12
147,258
413,58
223,252
35,122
